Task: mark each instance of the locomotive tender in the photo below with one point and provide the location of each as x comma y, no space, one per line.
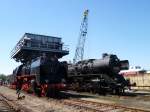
42,76
98,75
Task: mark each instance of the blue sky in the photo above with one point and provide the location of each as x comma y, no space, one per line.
121,27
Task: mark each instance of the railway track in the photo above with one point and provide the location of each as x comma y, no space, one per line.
5,105
73,103
9,105
91,106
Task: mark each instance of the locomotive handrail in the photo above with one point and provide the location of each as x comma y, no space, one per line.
46,46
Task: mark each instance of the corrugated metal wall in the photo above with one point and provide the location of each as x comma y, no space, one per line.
142,81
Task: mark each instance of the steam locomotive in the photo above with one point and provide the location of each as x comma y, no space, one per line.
98,75
47,76
43,76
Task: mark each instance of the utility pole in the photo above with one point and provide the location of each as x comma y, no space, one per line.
79,52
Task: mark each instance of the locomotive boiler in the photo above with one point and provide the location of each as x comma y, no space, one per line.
98,75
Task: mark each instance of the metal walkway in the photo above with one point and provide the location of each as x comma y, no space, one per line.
31,46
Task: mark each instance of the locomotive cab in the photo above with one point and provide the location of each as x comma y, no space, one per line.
47,70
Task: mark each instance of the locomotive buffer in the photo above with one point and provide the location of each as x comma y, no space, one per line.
31,46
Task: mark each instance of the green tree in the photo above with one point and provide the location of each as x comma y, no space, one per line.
3,77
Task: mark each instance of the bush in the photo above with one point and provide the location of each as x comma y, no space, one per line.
3,77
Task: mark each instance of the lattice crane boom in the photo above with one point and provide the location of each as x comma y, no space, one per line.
79,52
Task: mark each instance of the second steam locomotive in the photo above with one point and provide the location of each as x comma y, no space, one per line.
98,75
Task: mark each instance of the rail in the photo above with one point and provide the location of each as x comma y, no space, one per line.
12,105
91,106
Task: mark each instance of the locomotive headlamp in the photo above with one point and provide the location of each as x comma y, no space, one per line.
63,80
47,81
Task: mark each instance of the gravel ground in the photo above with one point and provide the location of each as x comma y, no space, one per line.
35,104
139,100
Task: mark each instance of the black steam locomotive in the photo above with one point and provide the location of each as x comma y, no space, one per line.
98,75
44,76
